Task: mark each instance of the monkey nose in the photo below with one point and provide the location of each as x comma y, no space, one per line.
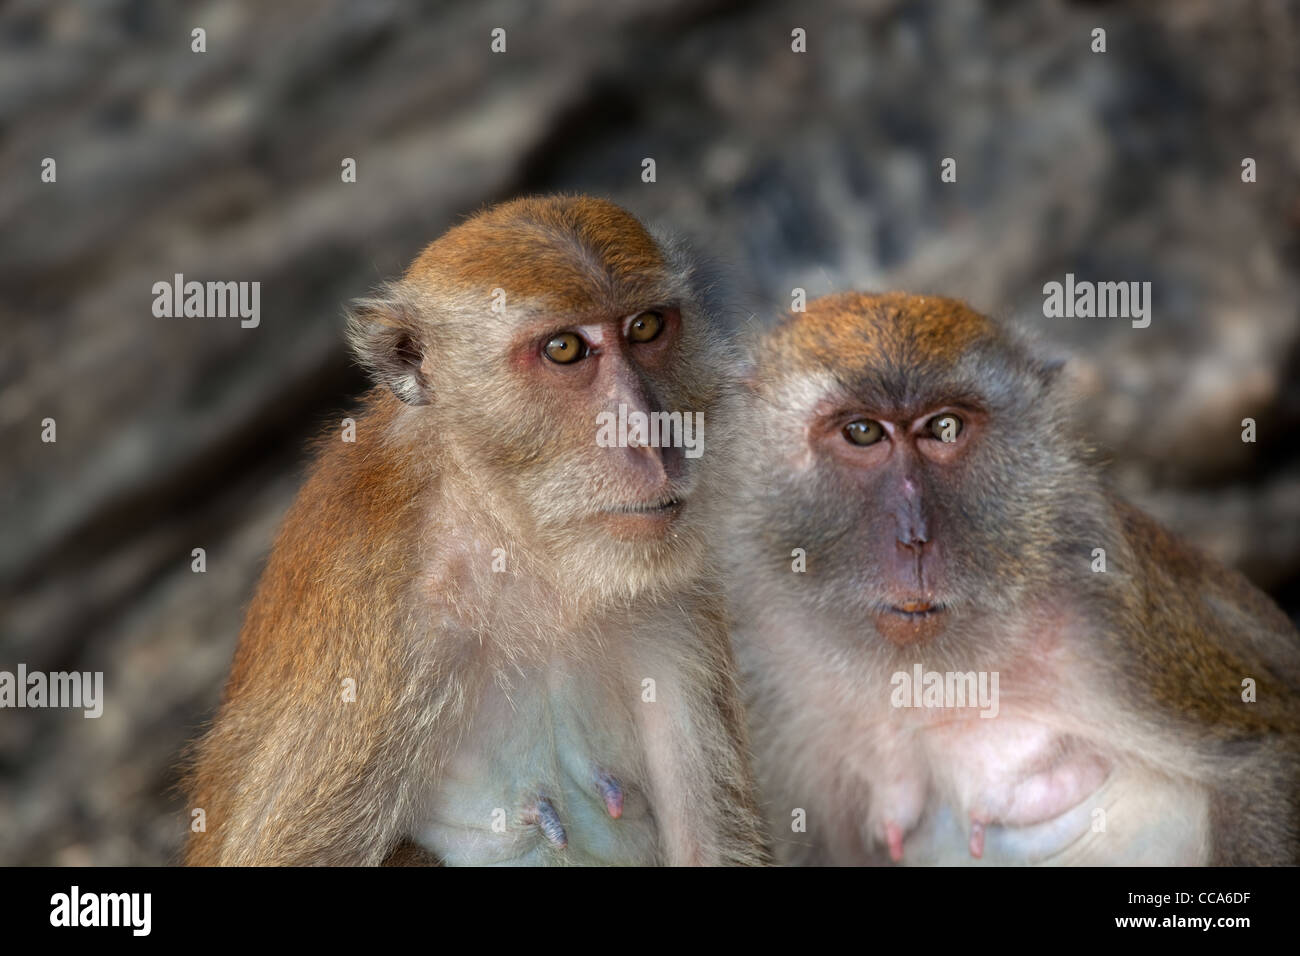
647,462
913,542
654,464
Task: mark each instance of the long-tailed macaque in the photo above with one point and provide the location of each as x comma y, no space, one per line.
958,645
489,630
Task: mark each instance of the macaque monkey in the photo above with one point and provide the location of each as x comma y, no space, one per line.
484,635
958,645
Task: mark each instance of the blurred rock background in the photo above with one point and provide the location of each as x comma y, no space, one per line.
818,170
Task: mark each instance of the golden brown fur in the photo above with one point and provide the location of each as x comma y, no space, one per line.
480,689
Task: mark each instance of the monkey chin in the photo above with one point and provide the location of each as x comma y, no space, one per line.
913,622
639,553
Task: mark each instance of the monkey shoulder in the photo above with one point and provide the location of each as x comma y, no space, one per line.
1199,591
1201,635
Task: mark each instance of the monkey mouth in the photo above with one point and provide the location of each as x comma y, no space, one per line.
909,622
640,522
916,610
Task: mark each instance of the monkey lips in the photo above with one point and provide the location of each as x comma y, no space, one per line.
912,621
642,520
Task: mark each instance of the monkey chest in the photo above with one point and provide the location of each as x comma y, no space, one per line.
1135,818
547,773
1014,791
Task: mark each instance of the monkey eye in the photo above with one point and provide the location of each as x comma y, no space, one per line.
565,348
864,432
645,327
946,427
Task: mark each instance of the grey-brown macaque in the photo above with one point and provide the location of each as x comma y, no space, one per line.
958,645
491,629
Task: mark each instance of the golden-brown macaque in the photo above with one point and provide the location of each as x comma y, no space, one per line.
939,667
528,614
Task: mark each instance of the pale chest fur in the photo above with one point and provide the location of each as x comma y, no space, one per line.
1038,782
561,727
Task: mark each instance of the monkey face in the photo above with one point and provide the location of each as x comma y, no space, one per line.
602,440
912,460
571,366
902,461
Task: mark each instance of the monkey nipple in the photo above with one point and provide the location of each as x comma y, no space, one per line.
611,793
543,816
894,840
976,838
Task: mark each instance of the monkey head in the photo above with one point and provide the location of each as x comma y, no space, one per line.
915,450
529,344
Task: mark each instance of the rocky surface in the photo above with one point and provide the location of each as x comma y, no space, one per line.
817,170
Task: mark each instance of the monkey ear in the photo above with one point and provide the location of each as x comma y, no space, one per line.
385,333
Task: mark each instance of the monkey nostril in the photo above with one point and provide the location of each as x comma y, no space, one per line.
649,462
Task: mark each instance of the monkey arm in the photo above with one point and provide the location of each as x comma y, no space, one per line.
1226,676
297,773
1220,630
328,707
695,743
